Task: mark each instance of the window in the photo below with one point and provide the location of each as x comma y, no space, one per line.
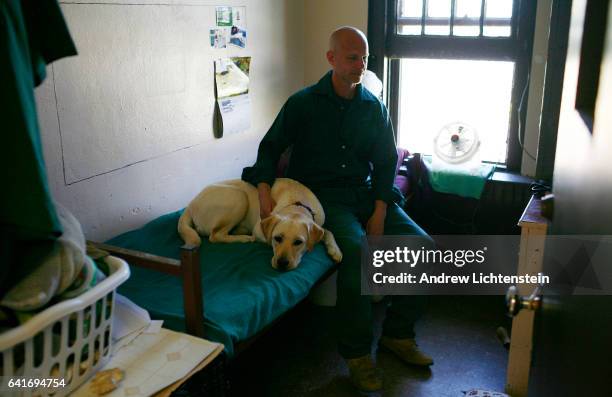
452,61
436,92
433,17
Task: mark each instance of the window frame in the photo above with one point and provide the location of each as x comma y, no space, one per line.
387,48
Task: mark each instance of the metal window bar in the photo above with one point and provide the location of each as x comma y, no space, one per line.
425,19
483,8
515,17
423,14
462,21
452,18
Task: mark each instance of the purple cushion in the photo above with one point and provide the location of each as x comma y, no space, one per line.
402,183
401,155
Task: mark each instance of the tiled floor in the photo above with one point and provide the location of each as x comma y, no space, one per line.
298,357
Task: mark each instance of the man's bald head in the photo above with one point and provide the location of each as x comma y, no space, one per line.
345,34
348,57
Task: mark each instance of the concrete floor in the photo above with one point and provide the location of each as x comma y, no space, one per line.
299,358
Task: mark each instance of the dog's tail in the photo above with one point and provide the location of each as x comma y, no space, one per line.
185,228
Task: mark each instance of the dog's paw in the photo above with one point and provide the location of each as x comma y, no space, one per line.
248,239
335,253
193,241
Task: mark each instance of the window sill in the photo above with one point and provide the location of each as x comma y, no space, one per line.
505,176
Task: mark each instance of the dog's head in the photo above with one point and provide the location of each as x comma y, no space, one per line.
290,236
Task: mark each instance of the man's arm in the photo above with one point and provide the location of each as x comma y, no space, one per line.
266,202
263,173
384,160
376,223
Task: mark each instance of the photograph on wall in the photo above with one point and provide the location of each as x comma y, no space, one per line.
230,27
238,37
238,33
232,80
218,38
224,15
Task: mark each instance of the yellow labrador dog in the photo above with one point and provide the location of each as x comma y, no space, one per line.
228,212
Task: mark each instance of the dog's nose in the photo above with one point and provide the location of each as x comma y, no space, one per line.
282,264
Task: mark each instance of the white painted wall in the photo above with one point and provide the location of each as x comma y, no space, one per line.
126,125
145,70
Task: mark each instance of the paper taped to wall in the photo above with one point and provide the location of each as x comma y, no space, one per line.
230,27
232,80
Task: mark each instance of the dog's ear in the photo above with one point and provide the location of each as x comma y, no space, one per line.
315,234
267,226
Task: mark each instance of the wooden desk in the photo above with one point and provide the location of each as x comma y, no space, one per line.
533,232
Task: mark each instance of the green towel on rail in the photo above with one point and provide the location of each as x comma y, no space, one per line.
462,180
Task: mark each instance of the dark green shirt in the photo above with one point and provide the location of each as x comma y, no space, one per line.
336,143
32,34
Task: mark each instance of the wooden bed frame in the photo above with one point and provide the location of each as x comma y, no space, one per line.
188,269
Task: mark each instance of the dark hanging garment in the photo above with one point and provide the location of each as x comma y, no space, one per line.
33,33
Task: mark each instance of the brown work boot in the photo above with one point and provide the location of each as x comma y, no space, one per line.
407,350
364,374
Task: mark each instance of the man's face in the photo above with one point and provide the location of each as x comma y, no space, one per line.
349,59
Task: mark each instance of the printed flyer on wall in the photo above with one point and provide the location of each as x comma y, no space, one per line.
232,80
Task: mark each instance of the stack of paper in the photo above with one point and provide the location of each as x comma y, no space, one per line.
153,361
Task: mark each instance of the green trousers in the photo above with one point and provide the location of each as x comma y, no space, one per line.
347,211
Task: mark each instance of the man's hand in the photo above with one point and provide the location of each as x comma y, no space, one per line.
266,202
376,223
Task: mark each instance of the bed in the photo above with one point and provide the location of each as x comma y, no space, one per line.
227,293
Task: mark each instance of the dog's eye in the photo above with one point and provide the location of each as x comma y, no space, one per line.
297,242
278,239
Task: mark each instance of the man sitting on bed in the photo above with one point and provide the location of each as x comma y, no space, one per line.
338,130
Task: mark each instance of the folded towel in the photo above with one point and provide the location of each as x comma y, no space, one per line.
56,272
463,180
37,288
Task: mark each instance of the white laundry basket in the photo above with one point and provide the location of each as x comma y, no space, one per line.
68,341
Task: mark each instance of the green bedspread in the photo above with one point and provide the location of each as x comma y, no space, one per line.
241,291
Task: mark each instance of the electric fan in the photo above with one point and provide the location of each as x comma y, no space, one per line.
456,143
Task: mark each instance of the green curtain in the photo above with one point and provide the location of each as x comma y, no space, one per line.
33,33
